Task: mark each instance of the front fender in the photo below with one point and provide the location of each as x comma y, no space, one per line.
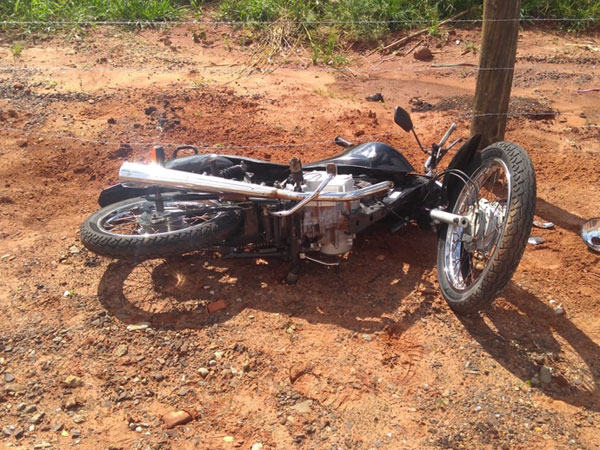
461,161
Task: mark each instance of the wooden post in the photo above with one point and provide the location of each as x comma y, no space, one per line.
496,67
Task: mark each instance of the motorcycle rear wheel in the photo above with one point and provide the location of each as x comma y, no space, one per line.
473,274
136,229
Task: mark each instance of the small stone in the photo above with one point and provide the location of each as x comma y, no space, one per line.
219,305
76,434
73,382
121,350
64,433
367,337
377,97
228,439
71,403
138,326
138,429
21,407
57,428
298,370
112,121
559,310
183,391
219,355
203,371
74,250
256,446
78,418
19,433
6,431
175,418
30,409
158,377
423,54
37,418
545,375
9,377
303,407
42,445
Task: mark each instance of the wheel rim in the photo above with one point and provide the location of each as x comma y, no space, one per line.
141,218
467,262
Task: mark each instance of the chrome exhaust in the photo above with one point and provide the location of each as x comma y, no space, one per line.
155,175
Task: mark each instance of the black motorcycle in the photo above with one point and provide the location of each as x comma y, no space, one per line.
481,206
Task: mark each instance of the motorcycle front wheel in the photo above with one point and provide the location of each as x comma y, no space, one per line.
475,266
139,229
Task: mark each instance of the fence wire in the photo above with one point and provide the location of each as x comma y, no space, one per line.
267,69
293,22
465,67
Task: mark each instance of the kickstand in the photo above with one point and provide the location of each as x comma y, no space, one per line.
294,273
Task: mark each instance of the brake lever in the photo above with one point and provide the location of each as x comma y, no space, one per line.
445,150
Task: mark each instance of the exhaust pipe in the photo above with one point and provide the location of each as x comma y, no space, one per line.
155,175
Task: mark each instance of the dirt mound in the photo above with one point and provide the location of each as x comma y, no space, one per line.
527,107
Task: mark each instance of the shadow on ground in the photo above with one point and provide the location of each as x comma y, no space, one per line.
527,334
386,284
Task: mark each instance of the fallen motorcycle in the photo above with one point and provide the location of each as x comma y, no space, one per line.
481,206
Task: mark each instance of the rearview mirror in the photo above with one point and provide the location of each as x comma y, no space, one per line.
402,118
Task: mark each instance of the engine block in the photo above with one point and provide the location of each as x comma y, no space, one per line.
327,222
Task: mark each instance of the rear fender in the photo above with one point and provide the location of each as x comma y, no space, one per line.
119,192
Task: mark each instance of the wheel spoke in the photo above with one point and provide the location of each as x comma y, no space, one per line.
466,261
141,219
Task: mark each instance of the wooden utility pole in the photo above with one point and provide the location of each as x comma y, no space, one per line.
496,67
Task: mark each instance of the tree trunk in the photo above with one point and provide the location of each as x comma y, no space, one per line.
496,68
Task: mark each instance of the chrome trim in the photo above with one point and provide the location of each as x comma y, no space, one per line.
298,206
449,218
154,175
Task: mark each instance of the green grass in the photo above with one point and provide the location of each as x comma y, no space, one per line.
354,18
92,10
394,14
351,12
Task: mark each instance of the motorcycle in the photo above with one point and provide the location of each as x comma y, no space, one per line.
481,207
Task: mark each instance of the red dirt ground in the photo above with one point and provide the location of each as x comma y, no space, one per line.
365,357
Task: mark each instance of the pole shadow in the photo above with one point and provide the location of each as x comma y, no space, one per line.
523,334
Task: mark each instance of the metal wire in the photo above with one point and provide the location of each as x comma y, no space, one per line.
290,22
251,69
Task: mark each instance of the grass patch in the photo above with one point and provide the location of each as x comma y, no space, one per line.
93,10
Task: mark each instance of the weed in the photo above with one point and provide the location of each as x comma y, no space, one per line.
199,36
16,49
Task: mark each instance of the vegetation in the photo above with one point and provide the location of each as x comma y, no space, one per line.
344,19
92,10
352,13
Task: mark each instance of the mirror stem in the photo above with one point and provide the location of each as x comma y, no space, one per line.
418,142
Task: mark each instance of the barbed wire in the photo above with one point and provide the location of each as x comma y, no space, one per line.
292,22
237,69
